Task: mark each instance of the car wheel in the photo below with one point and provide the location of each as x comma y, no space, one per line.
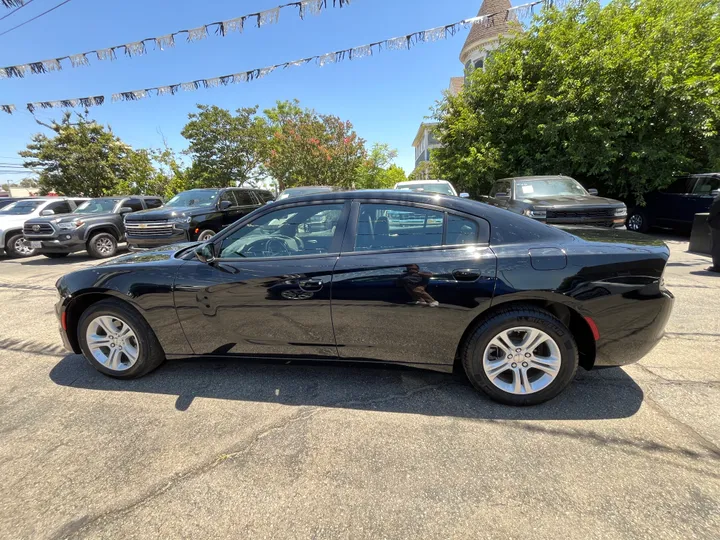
17,247
206,235
117,341
102,246
521,356
55,255
638,222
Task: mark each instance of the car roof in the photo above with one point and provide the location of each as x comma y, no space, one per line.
536,177
411,182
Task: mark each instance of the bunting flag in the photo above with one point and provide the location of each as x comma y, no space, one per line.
393,44
13,3
161,43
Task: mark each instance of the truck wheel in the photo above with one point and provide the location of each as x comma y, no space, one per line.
638,221
17,247
206,235
102,245
55,255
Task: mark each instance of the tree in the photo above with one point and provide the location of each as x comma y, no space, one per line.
29,183
226,148
622,97
425,170
377,170
82,158
307,148
154,172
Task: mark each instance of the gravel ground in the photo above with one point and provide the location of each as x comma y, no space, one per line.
222,449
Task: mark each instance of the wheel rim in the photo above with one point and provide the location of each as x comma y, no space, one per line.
104,245
522,360
635,222
22,247
112,343
206,236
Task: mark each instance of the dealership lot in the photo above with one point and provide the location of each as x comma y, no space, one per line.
268,450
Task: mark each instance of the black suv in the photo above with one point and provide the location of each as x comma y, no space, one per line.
675,206
194,215
95,226
557,200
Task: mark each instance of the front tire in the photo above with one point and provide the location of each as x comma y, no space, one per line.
17,247
638,221
205,235
102,246
117,341
521,356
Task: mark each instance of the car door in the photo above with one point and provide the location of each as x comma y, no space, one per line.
268,291
409,281
668,206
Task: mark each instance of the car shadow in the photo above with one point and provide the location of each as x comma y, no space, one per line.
601,394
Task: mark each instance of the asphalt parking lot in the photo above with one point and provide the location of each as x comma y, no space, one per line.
229,449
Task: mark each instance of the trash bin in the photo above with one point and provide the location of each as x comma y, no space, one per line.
700,237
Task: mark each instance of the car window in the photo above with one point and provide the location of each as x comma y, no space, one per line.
461,230
500,187
20,208
153,203
60,207
678,186
229,197
97,206
706,184
135,204
244,198
286,232
389,226
548,187
264,196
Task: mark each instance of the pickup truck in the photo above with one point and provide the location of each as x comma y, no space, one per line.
557,200
96,226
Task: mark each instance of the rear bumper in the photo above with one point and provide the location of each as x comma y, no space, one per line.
632,330
138,243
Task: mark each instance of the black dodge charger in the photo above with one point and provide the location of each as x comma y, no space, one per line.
415,279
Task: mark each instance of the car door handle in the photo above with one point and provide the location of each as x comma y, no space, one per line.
467,274
310,285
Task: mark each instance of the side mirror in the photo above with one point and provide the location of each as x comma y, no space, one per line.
501,195
125,210
593,191
47,213
206,253
465,195
224,205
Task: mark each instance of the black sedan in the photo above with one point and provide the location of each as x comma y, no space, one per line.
421,280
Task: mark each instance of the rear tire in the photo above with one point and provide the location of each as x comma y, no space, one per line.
102,245
514,372
118,316
638,221
55,255
17,248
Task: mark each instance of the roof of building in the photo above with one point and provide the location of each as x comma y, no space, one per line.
491,28
421,130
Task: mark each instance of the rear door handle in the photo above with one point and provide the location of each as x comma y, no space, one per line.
310,285
466,274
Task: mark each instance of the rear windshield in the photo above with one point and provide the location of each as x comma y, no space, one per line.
430,187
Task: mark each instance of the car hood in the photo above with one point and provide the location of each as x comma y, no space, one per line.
572,201
613,236
167,213
156,256
64,218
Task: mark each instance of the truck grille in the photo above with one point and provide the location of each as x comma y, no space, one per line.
153,229
601,213
38,229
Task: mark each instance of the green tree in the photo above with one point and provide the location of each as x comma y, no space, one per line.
226,148
622,97
81,158
29,183
154,172
425,170
377,170
307,148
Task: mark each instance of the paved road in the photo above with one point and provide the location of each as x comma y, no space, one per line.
274,450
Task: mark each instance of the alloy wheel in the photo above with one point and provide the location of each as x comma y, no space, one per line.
204,237
112,342
104,246
22,247
522,360
635,222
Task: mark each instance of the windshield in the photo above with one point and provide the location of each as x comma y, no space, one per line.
21,207
199,197
432,187
548,187
297,192
97,206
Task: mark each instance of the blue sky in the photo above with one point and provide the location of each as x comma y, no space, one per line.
385,97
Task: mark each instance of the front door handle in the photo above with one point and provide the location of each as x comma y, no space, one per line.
466,274
310,285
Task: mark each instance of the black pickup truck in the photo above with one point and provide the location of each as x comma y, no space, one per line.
557,200
95,226
194,215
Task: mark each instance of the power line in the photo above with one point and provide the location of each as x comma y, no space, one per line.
35,17
16,10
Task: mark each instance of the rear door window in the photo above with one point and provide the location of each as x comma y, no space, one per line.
229,196
153,203
245,198
389,226
60,207
135,204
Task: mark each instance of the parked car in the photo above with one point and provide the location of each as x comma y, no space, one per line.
13,216
197,214
557,200
96,226
306,190
432,186
519,304
675,206
4,201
